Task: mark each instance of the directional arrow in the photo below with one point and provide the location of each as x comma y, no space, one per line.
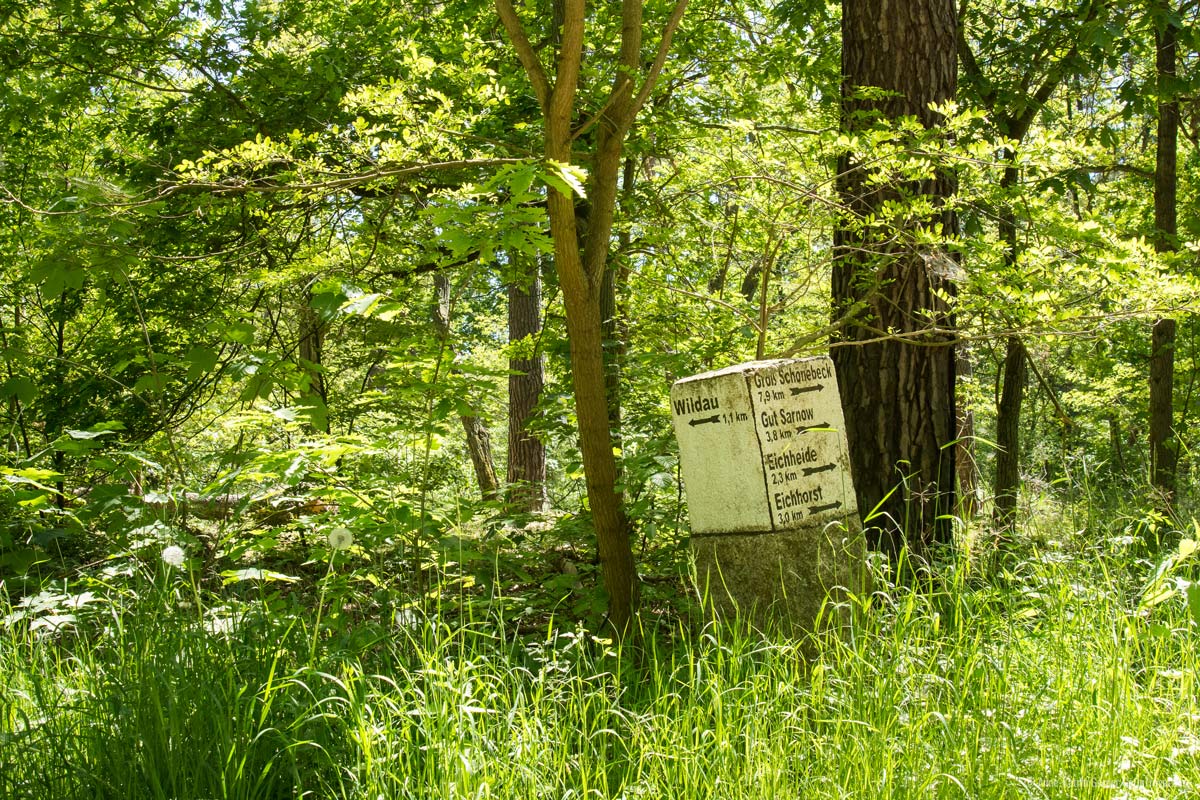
805,389
705,420
814,470
807,428
826,507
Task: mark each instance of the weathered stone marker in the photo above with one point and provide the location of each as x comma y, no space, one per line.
775,524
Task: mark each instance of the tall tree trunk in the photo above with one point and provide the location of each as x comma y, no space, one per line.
616,328
479,441
526,377
1163,453
898,391
1008,412
1013,121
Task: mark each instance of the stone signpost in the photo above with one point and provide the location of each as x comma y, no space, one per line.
775,524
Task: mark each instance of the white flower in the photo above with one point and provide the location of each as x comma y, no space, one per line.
341,538
174,556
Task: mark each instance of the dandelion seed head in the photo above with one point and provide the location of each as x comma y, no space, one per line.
341,538
174,556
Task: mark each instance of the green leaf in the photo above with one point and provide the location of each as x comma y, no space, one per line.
255,574
92,434
1192,593
32,473
19,387
238,333
566,178
362,305
201,360
19,562
149,384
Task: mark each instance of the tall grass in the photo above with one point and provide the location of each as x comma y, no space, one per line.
1044,683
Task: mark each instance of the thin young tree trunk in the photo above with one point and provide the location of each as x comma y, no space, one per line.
1114,443
1008,423
581,274
311,351
479,446
1008,412
616,276
964,457
479,441
1163,454
1013,121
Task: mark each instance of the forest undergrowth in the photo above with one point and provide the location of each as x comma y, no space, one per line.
1064,668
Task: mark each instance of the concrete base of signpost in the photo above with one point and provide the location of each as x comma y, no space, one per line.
797,581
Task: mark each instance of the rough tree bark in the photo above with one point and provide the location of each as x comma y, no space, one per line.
1163,455
897,383
527,372
581,270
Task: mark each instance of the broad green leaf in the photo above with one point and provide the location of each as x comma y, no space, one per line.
362,305
150,383
1192,593
91,434
20,387
201,360
238,333
255,574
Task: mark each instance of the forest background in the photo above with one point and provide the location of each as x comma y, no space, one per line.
333,324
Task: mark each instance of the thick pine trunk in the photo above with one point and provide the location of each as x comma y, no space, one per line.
1163,453
526,453
897,384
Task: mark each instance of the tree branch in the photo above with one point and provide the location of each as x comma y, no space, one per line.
660,58
525,52
570,54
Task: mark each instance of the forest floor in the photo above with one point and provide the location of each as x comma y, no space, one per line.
1064,669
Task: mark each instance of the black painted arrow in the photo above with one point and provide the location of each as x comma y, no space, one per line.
705,420
804,389
814,470
807,428
826,507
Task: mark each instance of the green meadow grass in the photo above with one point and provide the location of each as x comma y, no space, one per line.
1043,681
